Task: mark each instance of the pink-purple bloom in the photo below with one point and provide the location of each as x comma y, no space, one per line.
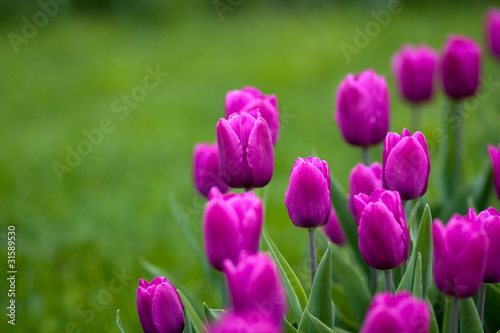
492,31
333,230
307,197
490,219
384,240
460,67
460,255
362,108
231,224
237,323
159,307
397,313
250,98
246,153
414,69
363,179
495,163
206,172
406,164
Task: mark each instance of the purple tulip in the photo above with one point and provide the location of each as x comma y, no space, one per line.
460,67
250,98
206,172
460,253
406,164
492,29
384,240
495,162
362,108
255,287
414,69
398,313
159,307
231,224
490,220
363,179
333,230
307,197
246,155
235,323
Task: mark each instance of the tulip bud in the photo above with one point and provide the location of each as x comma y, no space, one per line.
231,224
307,197
492,30
159,307
333,230
495,162
406,164
255,287
460,67
250,323
490,220
246,155
390,313
384,240
362,108
363,179
206,172
414,69
460,250
250,98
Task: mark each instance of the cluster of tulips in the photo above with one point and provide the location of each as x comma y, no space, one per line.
388,247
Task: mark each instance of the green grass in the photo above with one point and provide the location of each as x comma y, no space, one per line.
113,209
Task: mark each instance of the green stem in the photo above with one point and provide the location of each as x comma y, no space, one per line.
312,253
415,117
454,316
453,166
366,156
388,280
373,280
481,297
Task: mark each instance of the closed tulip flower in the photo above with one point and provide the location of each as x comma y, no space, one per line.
460,67
159,307
495,162
246,155
406,164
490,220
307,197
460,254
363,179
333,230
362,108
256,289
414,69
250,98
231,224
206,172
398,313
384,240
492,29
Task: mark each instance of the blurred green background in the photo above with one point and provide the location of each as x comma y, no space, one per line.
77,233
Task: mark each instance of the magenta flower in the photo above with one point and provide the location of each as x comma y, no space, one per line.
333,230
492,31
206,172
231,224
246,155
362,108
363,179
250,323
406,165
159,307
490,220
414,69
495,162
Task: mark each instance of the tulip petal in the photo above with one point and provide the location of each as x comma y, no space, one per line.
144,305
230,154
167,310
236,100
260,153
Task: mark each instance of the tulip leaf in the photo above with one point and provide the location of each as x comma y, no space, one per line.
296,295
310,323
188,323
445,327
341,330
434,324
345,315
407,279
119,322
491,317
289,328
352,281
469,319
197,322
212,314
424,247
417,290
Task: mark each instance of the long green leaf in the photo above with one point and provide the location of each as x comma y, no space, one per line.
310,324
417,290
197,322
289,328
424,246
119,322
188,323
469,319
491,317
434,324
212,314
407,279
345,315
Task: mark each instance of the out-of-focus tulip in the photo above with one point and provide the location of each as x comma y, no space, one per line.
492,31
307,197
460,254
206,172
398,313
406,164
333,229
495,163
460,67
362,108
231,224
246,154
250,323
250,98
363,179
490,220
159,307
256,288
414,69
384,240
